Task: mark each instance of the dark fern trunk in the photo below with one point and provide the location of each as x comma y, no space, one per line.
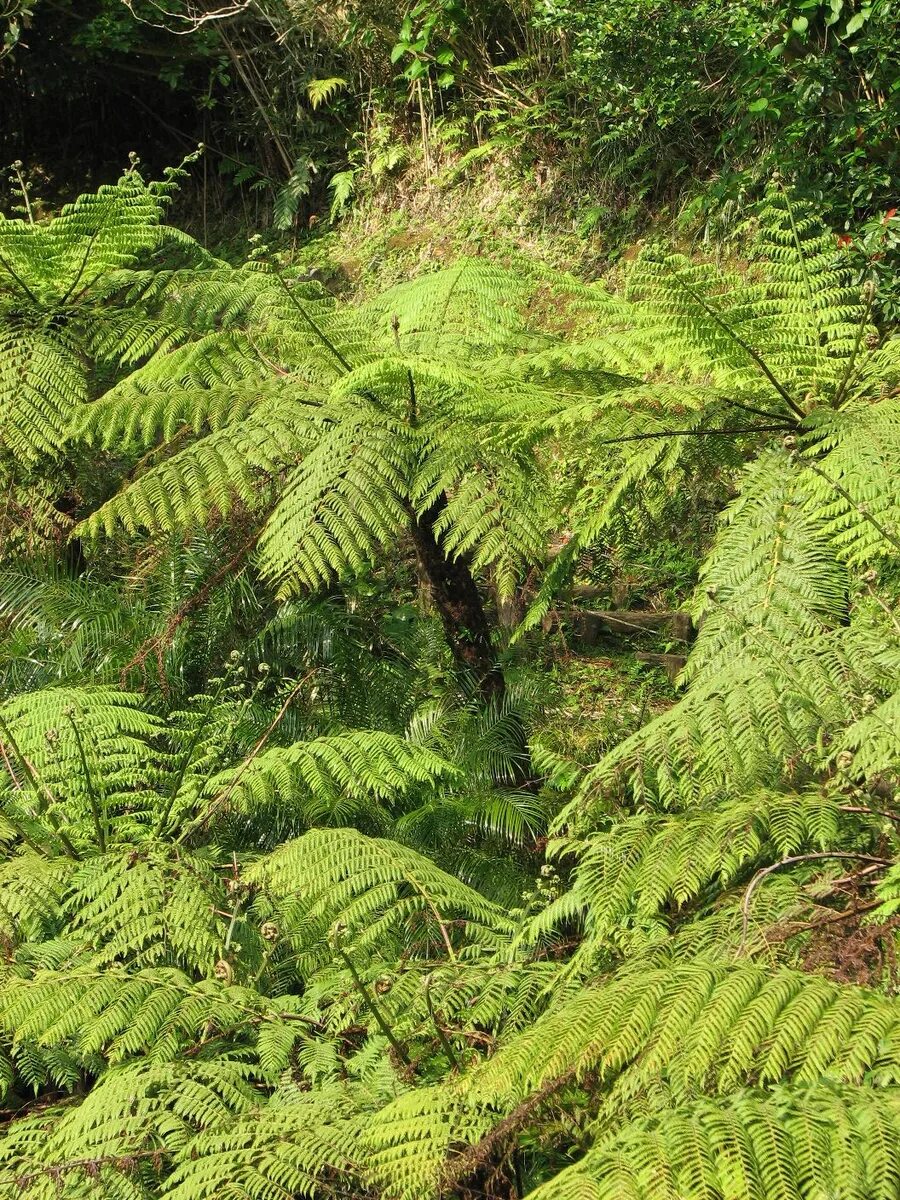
458,601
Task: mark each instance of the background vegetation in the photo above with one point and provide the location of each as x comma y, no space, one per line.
449,592
616,108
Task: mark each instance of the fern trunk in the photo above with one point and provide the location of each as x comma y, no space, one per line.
457,599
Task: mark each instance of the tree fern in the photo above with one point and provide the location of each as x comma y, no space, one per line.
707,356
793,1142
211,985
56,280
368,420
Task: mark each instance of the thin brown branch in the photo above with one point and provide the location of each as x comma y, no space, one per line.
191,21
792,860
835,919
229,791
159,641
478,1155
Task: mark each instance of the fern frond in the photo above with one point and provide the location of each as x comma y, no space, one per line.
148,906
290,1147
650,862
772,573
372,889
703,1027
345,501
476,303
329,779
793,1142
139,1113
70,753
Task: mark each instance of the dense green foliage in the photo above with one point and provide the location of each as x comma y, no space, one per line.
306,889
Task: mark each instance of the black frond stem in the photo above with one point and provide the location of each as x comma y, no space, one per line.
325,340
744,345
373,1008
663,433
438,1028
93,798
757,412
320,333
21,282
413,408
81,270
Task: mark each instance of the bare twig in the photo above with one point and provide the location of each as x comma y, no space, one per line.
190,20
789,862
229,791
159,641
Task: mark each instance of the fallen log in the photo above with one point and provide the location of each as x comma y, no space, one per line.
672,664
590,624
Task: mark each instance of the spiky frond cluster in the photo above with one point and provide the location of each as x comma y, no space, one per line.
705,363
58,281
364,418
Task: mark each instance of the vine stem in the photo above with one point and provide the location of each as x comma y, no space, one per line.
817,856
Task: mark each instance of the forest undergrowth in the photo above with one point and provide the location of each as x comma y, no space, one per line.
449,726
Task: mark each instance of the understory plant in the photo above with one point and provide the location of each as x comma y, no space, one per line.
327,925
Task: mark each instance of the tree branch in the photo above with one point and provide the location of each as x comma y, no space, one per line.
789,862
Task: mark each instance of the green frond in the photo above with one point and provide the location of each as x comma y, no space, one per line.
793,1142
155,1012
42,382
32,887
850,483
148,906
233,463
475,303
410,1140
59,314
701,1027
141,1112
86,621
754,719
649,863
868,751
291,1147
140,409
344,501
71,754
339,883
773,572
329,779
